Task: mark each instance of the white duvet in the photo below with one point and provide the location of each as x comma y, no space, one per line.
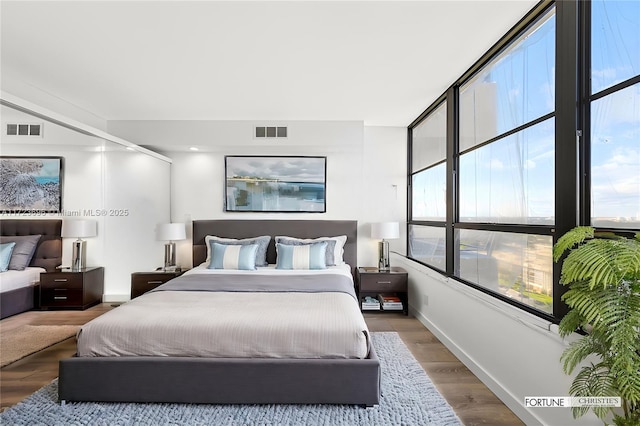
12,280
231,324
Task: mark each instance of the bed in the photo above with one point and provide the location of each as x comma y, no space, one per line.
19,290
228,374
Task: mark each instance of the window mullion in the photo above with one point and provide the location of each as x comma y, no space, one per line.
452,181
566,126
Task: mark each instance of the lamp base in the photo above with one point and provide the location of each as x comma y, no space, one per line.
79,255
169,255
383,256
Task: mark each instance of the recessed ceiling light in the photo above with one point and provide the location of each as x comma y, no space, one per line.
193,148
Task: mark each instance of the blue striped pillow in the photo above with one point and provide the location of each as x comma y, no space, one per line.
262,242
308,256
5,255
226,256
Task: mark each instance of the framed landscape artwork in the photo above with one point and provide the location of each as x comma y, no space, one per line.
30,184
275,184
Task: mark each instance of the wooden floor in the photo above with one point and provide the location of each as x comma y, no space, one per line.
472,401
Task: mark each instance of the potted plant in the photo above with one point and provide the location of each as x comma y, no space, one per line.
603,275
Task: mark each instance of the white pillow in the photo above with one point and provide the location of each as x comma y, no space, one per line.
338,250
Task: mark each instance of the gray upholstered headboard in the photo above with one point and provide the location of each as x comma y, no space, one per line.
48,254
292,228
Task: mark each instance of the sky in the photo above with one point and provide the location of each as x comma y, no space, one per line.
291,169
615,119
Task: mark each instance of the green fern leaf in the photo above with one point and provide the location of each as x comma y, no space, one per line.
571,322
570,239
578,351
592,380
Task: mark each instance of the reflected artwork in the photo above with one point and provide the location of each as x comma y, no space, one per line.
30,184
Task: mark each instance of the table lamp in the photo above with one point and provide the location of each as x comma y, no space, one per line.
79,228
384,231
170,232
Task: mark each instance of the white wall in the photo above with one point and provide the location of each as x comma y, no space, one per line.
514,353
136,197
101,176
363,165
384,188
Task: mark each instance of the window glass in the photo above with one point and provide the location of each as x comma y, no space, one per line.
615,159
427,244
615,42
513,89
518,266
510,180
428,194
429,139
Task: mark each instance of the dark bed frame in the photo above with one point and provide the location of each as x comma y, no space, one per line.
48,255
231,380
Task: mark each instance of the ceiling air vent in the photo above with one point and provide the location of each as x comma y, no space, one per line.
24,129
270,132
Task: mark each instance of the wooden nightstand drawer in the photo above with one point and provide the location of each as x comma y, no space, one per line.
383,283
61,280
53,297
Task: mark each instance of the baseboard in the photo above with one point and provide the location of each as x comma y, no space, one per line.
515,404
115,298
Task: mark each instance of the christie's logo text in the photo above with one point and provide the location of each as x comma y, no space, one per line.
569,401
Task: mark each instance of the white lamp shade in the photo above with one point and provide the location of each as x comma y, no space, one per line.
171,232
80,228
385,230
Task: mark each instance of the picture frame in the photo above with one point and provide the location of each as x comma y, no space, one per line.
282,184
31,184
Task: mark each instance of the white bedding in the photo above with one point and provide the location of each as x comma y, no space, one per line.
232,324
12,280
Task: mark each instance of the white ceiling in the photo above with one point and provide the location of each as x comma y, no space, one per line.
382,62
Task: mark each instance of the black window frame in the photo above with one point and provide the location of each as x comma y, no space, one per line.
572,162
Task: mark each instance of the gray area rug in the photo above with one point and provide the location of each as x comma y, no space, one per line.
408,398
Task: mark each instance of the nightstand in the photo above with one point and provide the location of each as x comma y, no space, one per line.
142,282
69,289
372,282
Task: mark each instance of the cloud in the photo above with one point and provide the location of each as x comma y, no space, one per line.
291,169
618,108
496,164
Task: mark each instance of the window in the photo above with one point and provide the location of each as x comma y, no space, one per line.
429,187
517,266
615,114
615,43
429,194
510,180
542,134
429,139
427,245
516,87
506,170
